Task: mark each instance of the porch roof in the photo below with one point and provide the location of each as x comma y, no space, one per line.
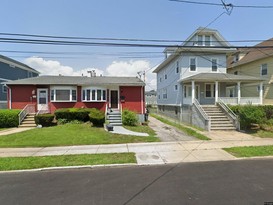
78,80
220,77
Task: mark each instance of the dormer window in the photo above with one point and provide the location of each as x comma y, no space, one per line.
203,40
207,40
200,40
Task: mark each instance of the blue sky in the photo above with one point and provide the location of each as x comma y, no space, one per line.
141,19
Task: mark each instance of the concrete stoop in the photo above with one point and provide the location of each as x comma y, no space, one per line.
29,121
219,119
114,117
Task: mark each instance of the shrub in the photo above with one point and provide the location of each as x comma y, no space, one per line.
96,117
70,114
129,118
44,119
268,109
9,118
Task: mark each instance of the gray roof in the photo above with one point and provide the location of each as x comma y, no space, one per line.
221,77
78,80
19,63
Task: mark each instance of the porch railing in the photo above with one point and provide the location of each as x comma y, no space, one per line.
44,109
29,108
243,100
201,111
230,113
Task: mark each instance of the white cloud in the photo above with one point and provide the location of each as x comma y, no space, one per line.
117,68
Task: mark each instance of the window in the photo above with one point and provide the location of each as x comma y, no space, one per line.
264,69
177,67
236,73
165,94
187,91
175,87
210,90
192,64
29,74
207,40
258,88
200,40
4,89
165,76
93,94
63,94
214,66
160,79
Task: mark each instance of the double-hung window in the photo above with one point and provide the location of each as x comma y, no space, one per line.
177,67
63,94
192,64
263,69
90,94
210,90
214,65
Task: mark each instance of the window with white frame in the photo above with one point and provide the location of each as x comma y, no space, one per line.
207,41
187,91
177,67
264,69
214,65
4,89
164,95
90,94
210,90
199,40
192,64
63,93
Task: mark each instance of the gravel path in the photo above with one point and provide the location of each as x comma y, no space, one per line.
168,133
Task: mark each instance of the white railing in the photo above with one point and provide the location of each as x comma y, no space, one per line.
44,109
207,119
230,113
30,108
243,100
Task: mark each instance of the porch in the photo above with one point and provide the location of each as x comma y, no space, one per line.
211,88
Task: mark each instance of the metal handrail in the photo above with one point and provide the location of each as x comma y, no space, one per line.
29,108
233,116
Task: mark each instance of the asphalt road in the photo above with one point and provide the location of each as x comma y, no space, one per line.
229,182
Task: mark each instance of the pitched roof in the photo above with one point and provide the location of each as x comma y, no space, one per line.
19,64
252,54
78,80
220,77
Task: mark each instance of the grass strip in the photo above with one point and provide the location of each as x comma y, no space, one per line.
68,134
184,129
251,151
21,163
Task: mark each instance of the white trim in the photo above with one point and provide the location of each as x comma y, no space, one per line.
70,88
9,97
261,69
39,105
212,93
239,92
216,65
5,79
85,88
195,64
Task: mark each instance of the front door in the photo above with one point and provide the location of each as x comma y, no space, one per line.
42,99
114,99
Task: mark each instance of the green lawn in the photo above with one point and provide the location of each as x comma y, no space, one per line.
184,129
20,163
68,134
252,151
142,128
263,134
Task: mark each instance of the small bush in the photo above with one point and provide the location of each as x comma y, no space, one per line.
96,117
44,119
70,114
129,118
62,121
9,118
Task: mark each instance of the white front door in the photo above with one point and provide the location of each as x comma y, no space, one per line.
42,99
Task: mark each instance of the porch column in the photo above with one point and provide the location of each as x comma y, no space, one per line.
239,92
192,91
216,91
261,93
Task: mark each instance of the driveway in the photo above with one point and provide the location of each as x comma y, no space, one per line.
168,133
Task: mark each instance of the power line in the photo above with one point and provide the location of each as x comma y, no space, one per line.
229,5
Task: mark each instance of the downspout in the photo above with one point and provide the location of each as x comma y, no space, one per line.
9,97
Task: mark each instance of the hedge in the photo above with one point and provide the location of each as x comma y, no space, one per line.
129,118
70,114
9,118
251,114
44,119
97,117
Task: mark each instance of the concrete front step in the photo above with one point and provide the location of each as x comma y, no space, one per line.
27,125
116,124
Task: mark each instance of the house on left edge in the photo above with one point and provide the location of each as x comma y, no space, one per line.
12,70
45,94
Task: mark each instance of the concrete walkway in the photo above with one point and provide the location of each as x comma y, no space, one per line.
14,130
121,130
149,153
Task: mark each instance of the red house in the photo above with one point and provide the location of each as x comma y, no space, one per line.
48,93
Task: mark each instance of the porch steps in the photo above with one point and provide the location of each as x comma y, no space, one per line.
114,117
29,121
219,120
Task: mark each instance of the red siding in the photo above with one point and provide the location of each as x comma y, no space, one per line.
133,98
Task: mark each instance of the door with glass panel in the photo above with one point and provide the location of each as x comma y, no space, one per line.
42,99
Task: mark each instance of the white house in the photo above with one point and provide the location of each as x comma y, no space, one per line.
193,79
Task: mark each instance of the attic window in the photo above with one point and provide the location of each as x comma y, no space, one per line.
207,40
199,40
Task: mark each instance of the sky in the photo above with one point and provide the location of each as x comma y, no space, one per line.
120,19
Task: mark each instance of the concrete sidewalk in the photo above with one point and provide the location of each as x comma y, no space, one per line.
149,153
